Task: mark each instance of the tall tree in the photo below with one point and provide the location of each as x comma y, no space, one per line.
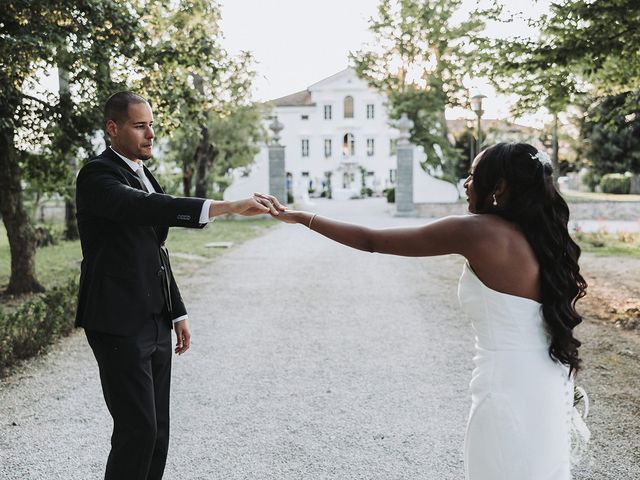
191,78
110,34
585,47
598,40
612,134
236,136
418,60
34,37
29,33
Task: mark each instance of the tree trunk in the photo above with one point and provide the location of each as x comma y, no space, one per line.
71,224
22,241
66,111
204,156
187,177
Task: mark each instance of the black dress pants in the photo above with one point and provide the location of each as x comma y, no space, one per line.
135,373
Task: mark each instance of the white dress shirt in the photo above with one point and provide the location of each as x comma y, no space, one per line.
204,213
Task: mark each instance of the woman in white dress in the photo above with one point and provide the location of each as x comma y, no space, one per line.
519,286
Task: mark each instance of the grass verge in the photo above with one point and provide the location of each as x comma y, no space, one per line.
603,243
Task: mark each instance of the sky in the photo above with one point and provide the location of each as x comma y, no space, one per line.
299,42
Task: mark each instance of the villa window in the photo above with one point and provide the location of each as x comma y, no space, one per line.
348,107
393,146
370,110
392,175
370,147
327,148
327,112
305,147
304,117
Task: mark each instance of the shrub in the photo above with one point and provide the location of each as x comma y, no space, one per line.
36,324
47,234
615,183
390,193
366,192
590,179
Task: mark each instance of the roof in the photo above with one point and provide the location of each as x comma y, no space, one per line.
347,71
298,99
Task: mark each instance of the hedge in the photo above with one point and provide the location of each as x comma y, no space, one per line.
36,324
615,183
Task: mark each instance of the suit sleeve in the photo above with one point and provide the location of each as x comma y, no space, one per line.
101,191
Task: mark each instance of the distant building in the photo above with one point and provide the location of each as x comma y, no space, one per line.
338,126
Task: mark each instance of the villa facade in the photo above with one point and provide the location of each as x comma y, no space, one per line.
337,128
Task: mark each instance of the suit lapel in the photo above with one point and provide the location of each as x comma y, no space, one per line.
133,180
154,182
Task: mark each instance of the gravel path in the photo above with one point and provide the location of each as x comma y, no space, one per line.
309,361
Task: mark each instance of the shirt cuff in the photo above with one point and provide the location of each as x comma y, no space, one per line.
176,320
204,213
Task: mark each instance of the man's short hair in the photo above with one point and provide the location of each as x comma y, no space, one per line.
117,106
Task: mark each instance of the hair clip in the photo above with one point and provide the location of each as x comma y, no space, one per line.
542,157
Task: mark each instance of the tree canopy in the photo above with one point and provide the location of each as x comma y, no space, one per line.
419,59
167,50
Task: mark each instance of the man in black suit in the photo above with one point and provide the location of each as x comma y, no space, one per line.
128,299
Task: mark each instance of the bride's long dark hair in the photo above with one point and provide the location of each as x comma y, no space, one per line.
532,202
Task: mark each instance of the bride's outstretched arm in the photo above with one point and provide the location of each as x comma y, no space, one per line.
453,234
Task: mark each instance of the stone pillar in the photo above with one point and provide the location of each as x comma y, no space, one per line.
277,174
404,182
635,184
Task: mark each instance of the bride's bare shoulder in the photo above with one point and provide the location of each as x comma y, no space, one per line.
482,223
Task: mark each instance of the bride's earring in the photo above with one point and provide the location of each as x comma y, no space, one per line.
495,201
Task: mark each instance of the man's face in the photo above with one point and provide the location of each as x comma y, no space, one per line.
134,137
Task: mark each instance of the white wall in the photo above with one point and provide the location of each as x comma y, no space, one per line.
316,129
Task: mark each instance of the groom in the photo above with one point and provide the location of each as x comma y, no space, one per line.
128,299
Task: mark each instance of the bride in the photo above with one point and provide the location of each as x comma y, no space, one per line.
519,287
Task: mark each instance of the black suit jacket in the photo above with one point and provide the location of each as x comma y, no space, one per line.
125,275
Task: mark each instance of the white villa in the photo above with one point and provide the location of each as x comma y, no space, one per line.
338,125
337,128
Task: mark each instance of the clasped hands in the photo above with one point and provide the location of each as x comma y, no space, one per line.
260,203
257,204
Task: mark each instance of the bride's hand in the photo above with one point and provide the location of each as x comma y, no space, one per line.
288,216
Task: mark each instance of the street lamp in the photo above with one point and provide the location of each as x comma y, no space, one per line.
476,106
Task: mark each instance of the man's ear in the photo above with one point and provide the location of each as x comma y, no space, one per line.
112,128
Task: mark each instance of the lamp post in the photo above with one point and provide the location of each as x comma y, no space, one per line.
476,106
472,140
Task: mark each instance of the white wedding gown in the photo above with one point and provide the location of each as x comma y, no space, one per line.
519,426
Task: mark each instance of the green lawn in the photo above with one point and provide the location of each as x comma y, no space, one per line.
621,244
57,263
